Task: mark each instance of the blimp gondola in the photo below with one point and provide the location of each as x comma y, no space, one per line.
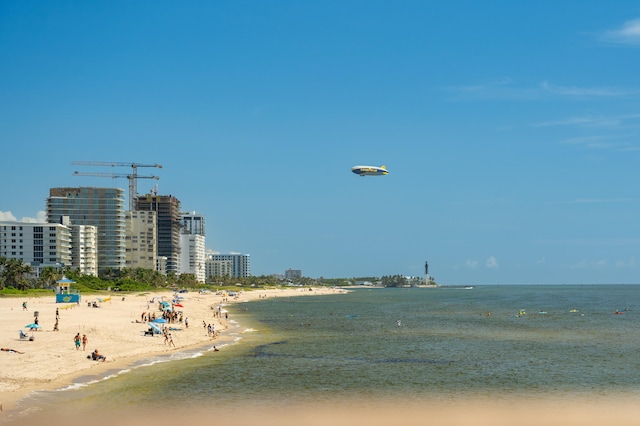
370,170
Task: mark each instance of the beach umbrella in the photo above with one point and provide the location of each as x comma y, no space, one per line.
179,305
155,328
159,321
32,326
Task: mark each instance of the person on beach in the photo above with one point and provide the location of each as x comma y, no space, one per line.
77,340
85,340
186,322
24,306
55,326
95,355
10,350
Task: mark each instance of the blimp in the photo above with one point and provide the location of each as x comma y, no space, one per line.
370,170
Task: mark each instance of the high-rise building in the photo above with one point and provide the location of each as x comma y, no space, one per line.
99,207
37,244
167,210
240,265
84,249
141,240
192,256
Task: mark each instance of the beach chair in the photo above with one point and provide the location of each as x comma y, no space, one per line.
23,336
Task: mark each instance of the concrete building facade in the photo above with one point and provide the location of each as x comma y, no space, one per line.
141,239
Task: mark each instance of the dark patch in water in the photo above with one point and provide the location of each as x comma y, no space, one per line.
262,351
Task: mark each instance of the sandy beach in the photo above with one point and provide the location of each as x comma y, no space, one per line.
48,359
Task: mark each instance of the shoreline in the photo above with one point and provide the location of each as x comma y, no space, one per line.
50,361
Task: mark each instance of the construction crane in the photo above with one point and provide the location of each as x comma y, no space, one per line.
131,177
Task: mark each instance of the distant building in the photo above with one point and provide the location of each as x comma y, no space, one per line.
167,210
218,268
234,265
192,256
141,239
99,207
293,274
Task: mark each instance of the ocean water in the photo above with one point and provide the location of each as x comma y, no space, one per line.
416,343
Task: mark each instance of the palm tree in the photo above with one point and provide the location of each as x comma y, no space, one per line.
13,273
50,275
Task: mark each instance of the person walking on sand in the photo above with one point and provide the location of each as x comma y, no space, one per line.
85,340
76,340
24,306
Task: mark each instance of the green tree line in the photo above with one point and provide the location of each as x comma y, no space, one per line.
16,275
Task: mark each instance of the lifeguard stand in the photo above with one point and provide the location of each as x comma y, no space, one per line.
63,292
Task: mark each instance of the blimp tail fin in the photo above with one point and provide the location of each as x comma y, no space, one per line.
383,167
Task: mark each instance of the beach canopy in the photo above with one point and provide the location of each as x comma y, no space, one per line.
32,326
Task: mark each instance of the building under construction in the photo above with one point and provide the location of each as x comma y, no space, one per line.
167,210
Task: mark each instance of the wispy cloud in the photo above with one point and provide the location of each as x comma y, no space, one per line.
504,88
601,264
629,263
508,89
590,121
587,121
586,264
584,91
471,264
628,34
612,142
491,262
595,242
602,200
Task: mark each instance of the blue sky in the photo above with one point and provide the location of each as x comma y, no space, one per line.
510,129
